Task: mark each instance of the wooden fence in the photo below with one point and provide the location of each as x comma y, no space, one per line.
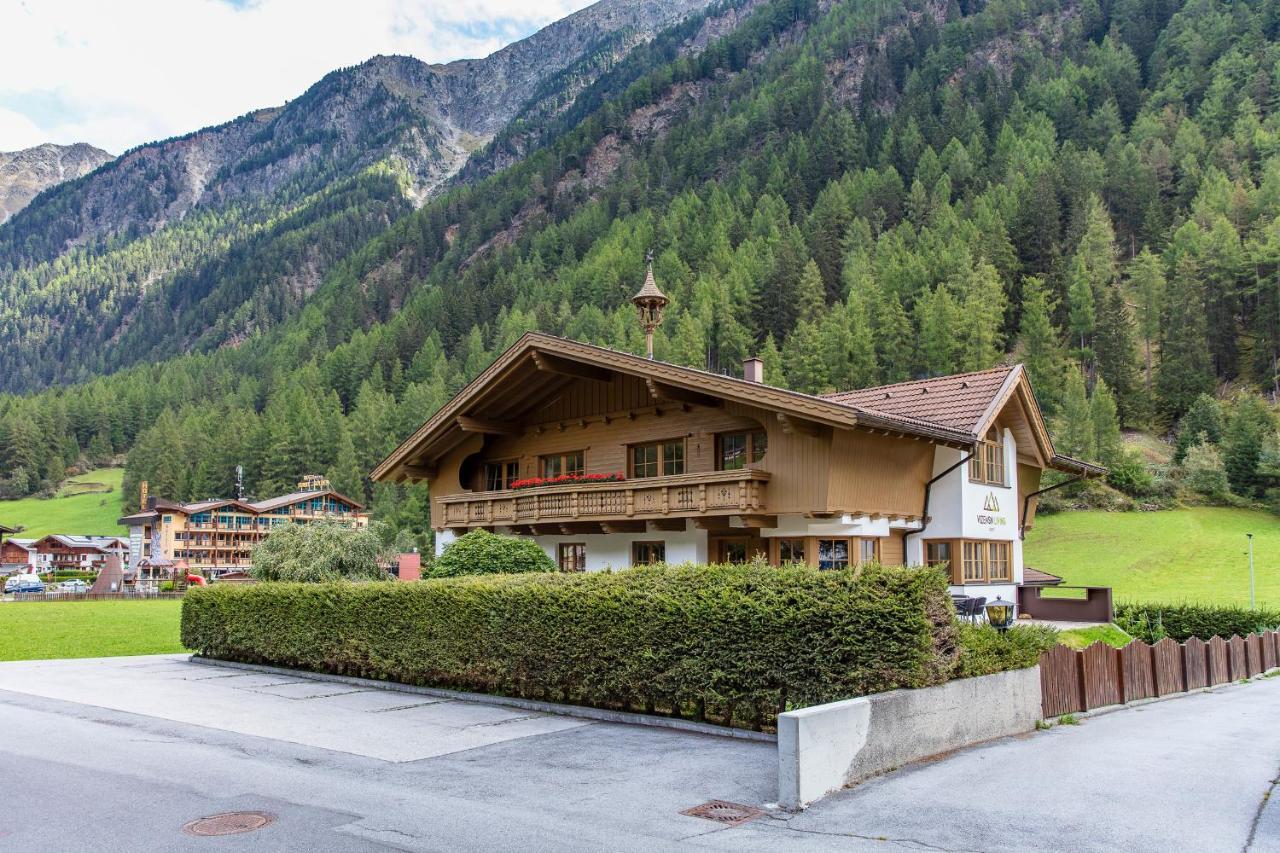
1101,675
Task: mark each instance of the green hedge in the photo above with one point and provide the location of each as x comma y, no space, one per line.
733,644
984,650
481,552
1152,622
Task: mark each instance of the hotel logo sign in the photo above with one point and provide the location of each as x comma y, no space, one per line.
990,517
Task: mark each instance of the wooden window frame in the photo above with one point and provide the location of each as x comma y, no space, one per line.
648,543
775,550
661,461
580,561
561,460
987,465
992,552
511,473
755,445
874,541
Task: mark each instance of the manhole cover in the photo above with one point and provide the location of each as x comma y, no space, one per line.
730,814
229,823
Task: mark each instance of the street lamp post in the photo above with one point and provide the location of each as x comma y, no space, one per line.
1253,603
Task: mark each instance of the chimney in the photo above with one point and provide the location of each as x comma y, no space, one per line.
753,370
142,496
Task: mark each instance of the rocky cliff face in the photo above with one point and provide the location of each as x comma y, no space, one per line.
426,119
25,174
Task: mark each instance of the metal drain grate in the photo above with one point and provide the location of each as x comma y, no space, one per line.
721,811
229,823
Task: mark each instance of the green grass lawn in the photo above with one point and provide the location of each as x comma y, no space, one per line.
73,511
1197,554
88,629
1082,638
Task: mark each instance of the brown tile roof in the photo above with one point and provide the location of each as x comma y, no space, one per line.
959,402
1035,577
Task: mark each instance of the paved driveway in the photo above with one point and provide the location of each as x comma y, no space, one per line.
118,754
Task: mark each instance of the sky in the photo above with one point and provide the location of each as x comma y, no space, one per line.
118,73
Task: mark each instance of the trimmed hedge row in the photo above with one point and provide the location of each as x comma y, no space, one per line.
726,643
1153,622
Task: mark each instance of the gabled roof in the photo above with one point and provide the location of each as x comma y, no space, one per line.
97,543
253,507
1035,577
960,401
540,364
296,497
21,543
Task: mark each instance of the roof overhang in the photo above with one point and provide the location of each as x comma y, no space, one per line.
539,365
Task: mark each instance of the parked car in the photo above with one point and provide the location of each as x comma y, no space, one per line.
74,585
24,583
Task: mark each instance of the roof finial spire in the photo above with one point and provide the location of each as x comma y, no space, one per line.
649,301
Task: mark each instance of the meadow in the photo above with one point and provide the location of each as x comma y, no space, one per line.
1197,554
83,505
88,629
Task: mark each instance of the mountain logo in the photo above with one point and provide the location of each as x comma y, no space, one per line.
991,504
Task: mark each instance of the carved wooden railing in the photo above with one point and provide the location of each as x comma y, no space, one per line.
711,493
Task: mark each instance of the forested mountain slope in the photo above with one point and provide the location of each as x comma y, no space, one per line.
204,240
25,174
858,192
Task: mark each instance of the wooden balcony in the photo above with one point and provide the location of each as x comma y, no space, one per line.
714,493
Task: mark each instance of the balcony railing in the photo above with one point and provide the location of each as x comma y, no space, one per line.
687,495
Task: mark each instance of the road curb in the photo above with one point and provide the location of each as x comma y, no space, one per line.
597,714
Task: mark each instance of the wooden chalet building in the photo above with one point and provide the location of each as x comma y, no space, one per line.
608,459
217,536
70,552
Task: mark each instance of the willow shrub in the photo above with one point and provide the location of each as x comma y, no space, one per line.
728,643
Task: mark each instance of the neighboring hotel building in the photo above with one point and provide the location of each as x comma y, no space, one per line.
60,552
691,465
217,536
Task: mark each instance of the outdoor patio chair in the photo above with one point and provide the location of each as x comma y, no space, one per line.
977,609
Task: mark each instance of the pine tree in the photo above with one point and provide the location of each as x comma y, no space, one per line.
1242,443
1081,316
1075,433
1116,352
803,360
1202,423
1184,372
937,317
982,318
772,358
893,336
811,295
1146,281
688,343
1039,346
1108,445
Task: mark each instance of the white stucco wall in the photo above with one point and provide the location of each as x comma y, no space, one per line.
959,510
613,550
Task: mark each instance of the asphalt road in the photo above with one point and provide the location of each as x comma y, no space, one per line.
117,755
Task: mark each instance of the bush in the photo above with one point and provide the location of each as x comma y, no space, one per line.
984,650
1129,474
1204,472
319,552
481,553
1152,622
722,642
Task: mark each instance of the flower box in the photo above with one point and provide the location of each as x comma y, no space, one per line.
567,479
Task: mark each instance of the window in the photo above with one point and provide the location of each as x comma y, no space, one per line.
733,551
660,459
648,553
833,553
938,554
499,475
562,463
983,561
572,557
987,464
790,551
736,449
870,552
975,562
1000,567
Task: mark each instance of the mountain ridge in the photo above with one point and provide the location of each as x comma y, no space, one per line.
26,173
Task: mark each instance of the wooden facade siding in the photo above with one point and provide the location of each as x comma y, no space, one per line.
877,473
1100,675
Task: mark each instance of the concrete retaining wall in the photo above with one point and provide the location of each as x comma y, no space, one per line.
826,747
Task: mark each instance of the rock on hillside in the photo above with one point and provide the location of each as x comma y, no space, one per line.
25,174
426,118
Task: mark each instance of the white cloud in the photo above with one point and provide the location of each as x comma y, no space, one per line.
120,74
